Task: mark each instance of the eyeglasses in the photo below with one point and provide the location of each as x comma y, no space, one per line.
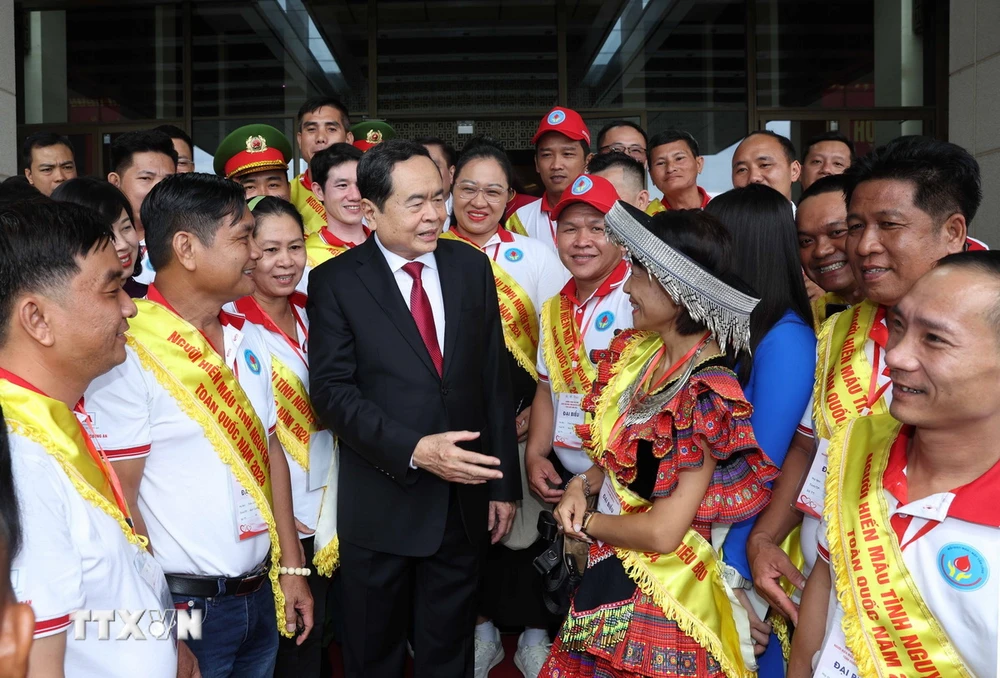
492,194
636,151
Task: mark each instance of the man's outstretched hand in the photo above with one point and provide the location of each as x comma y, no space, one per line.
439,454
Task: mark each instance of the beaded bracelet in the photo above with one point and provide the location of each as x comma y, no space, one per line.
298,571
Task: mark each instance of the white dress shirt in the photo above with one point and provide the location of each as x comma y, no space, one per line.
430,279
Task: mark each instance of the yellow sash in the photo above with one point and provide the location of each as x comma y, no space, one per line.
569,371
514,225
52,425
520,321
782,629
819,308
297,421
318,251
655,207
686,584
888,626
843,372
309,206
190,370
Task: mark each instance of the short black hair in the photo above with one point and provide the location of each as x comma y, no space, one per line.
272,206
39,243
986,262
786,143
101,198
41,140
449,151
484,146
672,135
829,136
196,203
140,141
175,132
945,176
766,256
375,168
332,156
619,123
834,183
313,105
629,165
16,188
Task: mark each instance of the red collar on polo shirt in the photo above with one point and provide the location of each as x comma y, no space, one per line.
502,233
236,321
546,207
705,197
617,275
252,311
975,502
327,236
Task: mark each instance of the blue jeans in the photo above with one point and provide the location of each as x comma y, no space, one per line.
239,634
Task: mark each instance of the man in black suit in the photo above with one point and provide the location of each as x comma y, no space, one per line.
408,369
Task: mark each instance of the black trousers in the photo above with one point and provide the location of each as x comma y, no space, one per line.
305,660
383,592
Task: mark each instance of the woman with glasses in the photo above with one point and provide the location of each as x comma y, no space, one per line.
526,273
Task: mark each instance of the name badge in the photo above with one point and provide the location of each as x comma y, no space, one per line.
608,501
568,416
249,521
836,660
320,460
150,572
813,493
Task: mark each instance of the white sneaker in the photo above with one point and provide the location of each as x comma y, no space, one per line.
530,658
489,653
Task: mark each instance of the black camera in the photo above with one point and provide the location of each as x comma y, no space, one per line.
560,574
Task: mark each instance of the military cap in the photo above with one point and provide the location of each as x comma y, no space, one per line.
371,133
252,148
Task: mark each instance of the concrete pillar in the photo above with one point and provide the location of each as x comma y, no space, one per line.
45,85
899,65
973,101
8,92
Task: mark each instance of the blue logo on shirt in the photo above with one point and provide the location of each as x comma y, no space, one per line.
963,567
252,362
556,117
514,254
604,321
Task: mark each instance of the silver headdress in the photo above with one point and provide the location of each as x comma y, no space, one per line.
723,309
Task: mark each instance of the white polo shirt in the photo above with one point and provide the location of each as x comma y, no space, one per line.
75,557
187,493
530,263
951,547
306,502
600,316
810,525
534,219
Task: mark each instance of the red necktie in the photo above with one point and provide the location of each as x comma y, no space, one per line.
420,307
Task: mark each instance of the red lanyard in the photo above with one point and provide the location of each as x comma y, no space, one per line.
877,336
101,459
673,368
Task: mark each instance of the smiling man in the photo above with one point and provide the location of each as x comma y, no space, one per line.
562,151
821,222
199,461
909,204
826,155
921,485
334,170
408,366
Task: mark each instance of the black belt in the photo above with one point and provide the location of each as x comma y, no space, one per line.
214,587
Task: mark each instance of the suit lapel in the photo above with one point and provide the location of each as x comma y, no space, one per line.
451,290
376,276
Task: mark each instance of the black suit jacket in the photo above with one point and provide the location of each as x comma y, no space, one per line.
373,384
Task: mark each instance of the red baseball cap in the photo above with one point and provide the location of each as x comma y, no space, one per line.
591,189
565,121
